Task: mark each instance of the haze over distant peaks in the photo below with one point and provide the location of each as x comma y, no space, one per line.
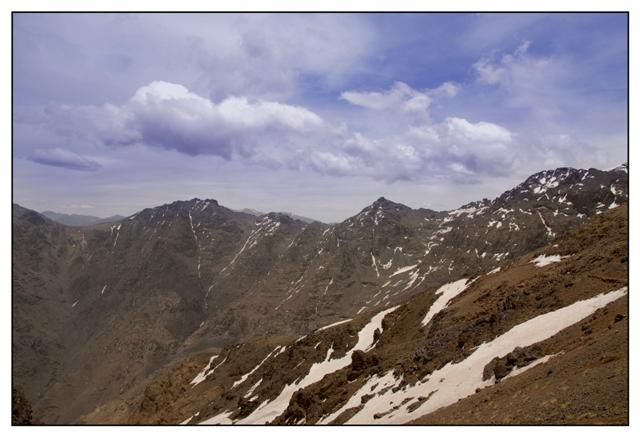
290,214
79,219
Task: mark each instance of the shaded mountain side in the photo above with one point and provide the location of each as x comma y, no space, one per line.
542,339
388,252
121,301
40,312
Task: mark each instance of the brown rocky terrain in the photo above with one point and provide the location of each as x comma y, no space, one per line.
100,311
579,374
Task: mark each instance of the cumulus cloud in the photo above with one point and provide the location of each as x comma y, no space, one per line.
57,157
454,149
271,134
169,116
447,89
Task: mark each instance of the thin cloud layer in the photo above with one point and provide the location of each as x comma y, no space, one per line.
57,157
400,97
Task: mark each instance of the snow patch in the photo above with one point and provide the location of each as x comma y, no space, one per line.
223,418
205,372
184,422
247,375
412,280
328,285
549,231
447,292
333,324
404,269
374,264
545,260
253,388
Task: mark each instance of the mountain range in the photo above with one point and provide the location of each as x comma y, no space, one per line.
79,219
193,312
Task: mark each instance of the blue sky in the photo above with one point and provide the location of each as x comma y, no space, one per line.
315,114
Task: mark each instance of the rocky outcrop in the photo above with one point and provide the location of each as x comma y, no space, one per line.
500,367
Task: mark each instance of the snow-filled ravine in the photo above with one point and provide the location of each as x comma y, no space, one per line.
446,293
455,381
270,409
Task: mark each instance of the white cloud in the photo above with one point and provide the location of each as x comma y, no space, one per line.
265,55
169,116
488,72
492,73
482,132
271,134
447,89
454,149
400,97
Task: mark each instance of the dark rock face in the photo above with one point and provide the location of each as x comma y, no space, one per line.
125,299
21,412
502,366
361,362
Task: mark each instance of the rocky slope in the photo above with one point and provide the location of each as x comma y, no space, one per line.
543,338
99,309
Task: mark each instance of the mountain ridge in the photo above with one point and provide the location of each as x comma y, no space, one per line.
79,219
191,275
325,377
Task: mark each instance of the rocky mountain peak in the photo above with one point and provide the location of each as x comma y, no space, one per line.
275,217
384,204
624,167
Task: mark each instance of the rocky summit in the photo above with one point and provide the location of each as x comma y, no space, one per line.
511,310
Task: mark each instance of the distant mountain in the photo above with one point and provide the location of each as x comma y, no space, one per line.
79,219
116,303
290,214
254,212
